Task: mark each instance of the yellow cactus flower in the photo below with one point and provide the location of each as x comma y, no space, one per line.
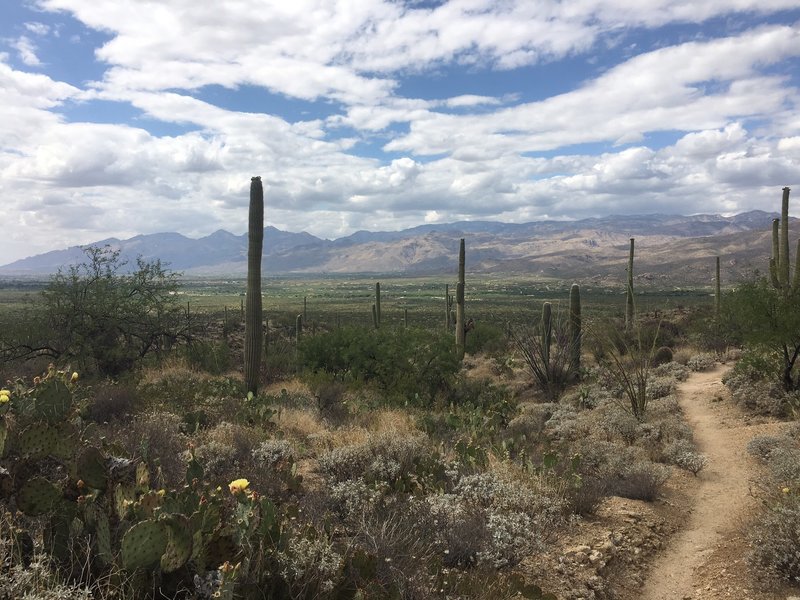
5,392
4,398
74,377
238,486
786,490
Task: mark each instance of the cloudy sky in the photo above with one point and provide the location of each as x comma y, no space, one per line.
120,117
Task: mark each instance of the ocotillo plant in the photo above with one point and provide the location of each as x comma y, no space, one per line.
547,334
377,304
253,312
717,291
575,329
629,307
779,267
305,309
461,333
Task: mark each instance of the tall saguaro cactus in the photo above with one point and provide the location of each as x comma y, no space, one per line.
377,305
575,333
779,266
629,306
461,332
717,291
253,312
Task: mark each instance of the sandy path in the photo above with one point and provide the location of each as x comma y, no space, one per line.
706,558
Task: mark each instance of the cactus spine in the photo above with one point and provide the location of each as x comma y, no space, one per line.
717,291
253,313
461,332
575,329
779,264
629,308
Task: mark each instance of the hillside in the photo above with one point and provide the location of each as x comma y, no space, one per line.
671,250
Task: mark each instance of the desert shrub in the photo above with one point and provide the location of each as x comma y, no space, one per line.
563,424
112,401
351,499
587,496
641,480
226,451
761,446
659,387
280,359
519,515
760,396
400,461
156,438
531,422
674,370
408,365
209,356
775,539
775,534
701,362
615,423
485,337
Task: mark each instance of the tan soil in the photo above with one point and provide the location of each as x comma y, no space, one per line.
707,557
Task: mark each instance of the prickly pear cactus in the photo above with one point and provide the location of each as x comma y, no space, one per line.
51,403
143,544
37,441
97,522
179,543
91,468
37,496
124,498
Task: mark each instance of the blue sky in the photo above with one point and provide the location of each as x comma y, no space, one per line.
123,117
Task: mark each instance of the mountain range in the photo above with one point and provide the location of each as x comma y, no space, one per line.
671,250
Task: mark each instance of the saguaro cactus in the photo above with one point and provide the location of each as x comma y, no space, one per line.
253,313
629,307
298,328
575,334
717,291
779,265
377,305
461,332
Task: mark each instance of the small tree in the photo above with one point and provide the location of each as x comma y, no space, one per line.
99,312
766,317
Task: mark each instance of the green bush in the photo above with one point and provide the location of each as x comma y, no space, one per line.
486,337
408,365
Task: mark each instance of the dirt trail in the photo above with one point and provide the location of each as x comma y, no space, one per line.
706,559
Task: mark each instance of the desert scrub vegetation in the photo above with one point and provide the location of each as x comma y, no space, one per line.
396,495
775,533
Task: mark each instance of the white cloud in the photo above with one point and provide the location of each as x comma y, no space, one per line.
26,50
459,155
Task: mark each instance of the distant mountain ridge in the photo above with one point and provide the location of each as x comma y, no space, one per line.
588,248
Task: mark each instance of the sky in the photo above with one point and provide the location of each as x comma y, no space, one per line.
126,117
